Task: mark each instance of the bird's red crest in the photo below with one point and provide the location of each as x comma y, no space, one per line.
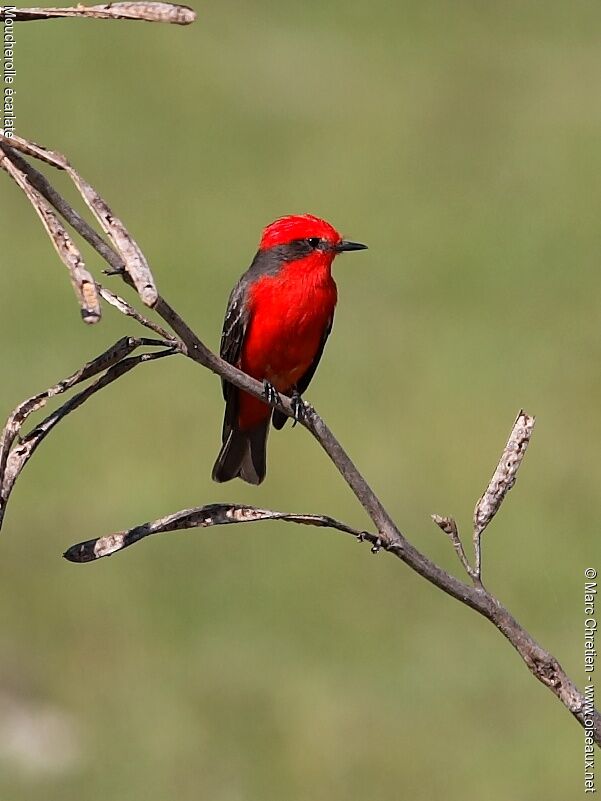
297,226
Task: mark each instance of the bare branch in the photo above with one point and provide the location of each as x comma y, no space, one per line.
81,279
37,151
540,662
15,450
134,260
145,11
215,514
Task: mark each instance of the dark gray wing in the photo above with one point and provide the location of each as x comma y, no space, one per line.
234,330
279,418
305,380
265,262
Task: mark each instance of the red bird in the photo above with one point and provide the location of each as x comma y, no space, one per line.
277,321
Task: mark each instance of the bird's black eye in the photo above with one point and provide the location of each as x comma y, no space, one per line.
314,241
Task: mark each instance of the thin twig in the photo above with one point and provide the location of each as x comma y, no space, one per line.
81,278
215,514
449,526
128,310
144,11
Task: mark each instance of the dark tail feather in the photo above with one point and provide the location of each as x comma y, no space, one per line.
243,454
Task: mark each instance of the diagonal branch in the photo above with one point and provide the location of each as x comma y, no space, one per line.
145,11
215,514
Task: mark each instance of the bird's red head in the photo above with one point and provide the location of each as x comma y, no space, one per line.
298,226
315,233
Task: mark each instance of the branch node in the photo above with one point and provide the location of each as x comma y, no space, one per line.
449,526
446,524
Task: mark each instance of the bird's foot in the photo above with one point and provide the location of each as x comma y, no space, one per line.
375,548
270,393
300,409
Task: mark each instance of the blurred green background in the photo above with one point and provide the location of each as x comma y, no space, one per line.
260,663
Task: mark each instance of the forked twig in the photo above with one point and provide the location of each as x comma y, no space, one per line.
490,502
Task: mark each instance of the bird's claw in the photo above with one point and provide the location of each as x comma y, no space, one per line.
299,408
270,393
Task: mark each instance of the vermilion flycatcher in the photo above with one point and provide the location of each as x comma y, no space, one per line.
277,321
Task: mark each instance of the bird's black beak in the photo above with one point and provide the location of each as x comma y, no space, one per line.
344,244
